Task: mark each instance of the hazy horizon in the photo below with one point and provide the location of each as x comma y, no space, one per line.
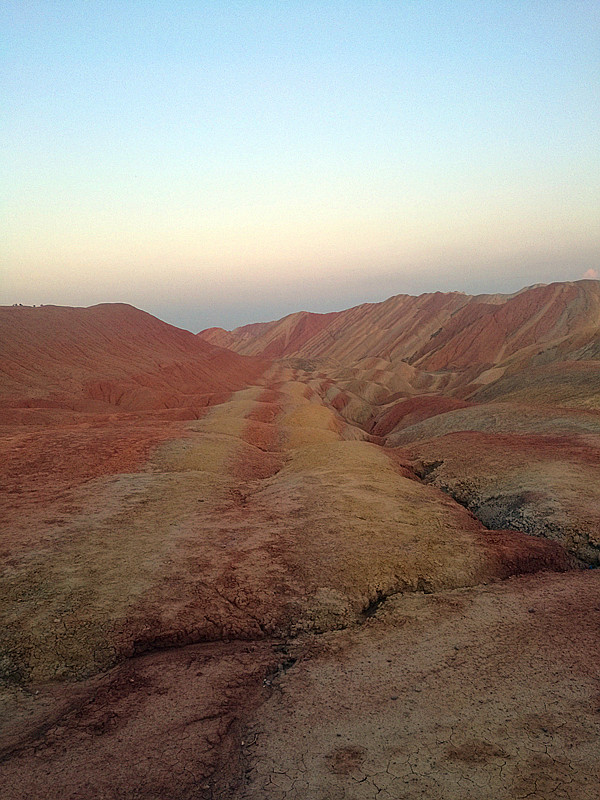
178,315
219,165
268,313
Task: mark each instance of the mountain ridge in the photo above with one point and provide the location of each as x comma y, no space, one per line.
464,342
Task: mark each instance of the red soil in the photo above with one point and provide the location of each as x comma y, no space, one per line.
415,409
54,458
88,359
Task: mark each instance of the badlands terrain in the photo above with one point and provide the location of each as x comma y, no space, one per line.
332,557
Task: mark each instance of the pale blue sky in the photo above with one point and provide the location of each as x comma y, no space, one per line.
224,162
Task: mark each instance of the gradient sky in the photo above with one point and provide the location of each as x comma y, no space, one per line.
218,163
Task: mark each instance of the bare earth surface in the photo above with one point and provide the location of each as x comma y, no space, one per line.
481,693
355,570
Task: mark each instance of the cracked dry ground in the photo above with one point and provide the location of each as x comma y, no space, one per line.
267,603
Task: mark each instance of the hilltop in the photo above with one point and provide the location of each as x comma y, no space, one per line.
110,356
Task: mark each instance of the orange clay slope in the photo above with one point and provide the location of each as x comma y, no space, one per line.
453,343
111,357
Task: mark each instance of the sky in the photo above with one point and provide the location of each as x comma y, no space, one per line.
219,163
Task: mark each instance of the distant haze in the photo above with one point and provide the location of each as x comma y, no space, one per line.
220,163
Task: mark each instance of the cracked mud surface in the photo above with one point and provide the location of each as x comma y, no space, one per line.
164,725
469,694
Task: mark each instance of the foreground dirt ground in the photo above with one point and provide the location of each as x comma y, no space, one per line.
489,692
267,603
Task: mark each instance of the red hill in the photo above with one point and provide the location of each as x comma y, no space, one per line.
110,355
